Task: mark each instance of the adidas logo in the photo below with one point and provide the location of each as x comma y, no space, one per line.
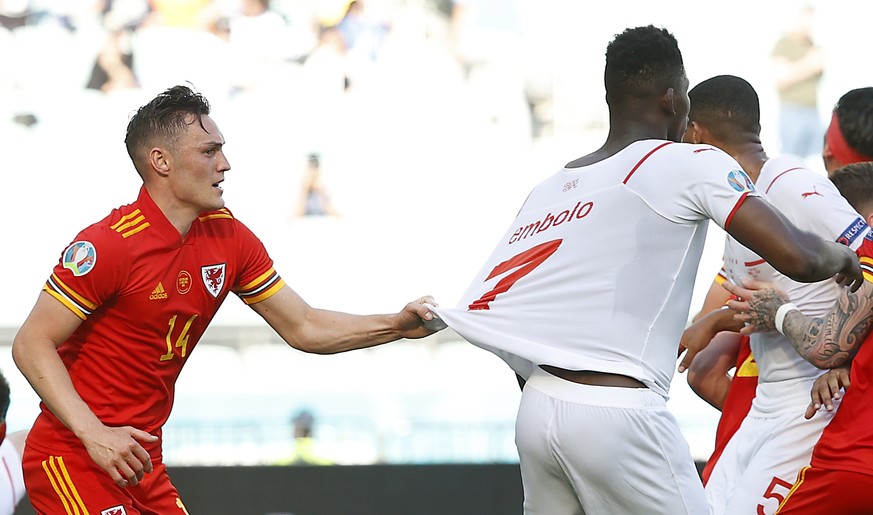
158,293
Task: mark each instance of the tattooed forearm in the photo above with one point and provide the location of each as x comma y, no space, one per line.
832,340
762,308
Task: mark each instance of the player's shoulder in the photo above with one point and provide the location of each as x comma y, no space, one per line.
866,250
122,223
216,216
219,221
699,157
691,162
114,235
787,169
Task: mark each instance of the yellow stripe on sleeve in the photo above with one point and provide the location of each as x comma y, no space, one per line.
269,292
63,300
867,267
257,280
81,300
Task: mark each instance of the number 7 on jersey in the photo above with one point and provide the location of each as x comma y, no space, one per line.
522,263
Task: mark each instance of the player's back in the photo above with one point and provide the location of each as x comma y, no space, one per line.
597,269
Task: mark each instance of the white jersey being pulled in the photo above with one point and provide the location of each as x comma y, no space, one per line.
812,203
597,270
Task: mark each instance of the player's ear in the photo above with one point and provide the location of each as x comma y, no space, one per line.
159,161
668,102
692,133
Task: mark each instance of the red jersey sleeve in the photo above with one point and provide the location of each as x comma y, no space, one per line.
90,271
865,255
257,279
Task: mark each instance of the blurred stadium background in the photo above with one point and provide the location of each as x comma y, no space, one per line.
429,131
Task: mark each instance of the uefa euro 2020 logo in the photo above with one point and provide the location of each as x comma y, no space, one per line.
80,257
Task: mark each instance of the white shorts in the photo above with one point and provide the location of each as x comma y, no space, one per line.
598,450
761,461
11,478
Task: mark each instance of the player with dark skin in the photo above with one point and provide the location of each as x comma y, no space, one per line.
647,97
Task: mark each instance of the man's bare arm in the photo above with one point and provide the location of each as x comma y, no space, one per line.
827,341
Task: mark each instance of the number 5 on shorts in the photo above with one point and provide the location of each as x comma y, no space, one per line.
524,262
770,494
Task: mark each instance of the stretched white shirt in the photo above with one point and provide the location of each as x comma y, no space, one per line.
11,478
596,271
812,203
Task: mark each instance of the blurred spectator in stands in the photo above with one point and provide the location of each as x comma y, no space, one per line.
13,13
362,33
314,195
190,14
799,65
113,66
326,64
262,45
324,82
304,452
487,39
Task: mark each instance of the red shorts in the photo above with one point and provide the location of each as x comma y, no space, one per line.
820,491
71,483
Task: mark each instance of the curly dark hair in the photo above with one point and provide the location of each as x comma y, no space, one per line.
163,119
727,105
855,113
641,61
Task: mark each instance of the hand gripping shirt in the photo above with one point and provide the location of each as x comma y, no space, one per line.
572,281
812,203
145,295
847,442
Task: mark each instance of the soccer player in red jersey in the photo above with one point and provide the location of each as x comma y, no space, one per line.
840,476
126,305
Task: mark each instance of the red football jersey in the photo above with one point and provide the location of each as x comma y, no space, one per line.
145,295
847,442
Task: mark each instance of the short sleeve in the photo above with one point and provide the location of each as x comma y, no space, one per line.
90,272
688,183
257,279
865,255
801,195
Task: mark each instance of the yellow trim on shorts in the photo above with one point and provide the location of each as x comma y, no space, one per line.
800,477
63,485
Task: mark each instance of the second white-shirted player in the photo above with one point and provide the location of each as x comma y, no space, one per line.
11,449
587,293
762,459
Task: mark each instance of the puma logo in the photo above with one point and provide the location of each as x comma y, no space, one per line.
810,193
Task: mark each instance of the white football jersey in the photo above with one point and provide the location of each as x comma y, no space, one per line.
814,204
596,271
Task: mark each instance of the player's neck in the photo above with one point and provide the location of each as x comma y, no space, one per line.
751,157
180,215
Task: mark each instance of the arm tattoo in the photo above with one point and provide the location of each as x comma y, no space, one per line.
833,339
762,308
